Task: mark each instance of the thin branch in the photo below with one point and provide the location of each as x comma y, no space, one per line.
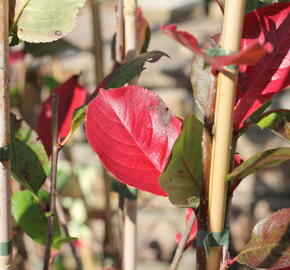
5,193
54,159
180,249
120,37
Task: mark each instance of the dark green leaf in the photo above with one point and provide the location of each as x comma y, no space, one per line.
49,82
124,190
133,68
258,162
269,246
29,161
182,176
31,218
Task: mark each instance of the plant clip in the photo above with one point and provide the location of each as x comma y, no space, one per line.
212,239
215,52
5,248
5,153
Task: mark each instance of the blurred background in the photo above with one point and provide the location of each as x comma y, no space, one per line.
85,192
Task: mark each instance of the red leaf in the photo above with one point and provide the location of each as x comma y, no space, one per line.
247,56
71,96
133,132
15,55
142,25
259,83
193,232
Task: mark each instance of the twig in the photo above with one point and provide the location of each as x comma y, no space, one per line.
63,222
98,48
120,37
180,249
130,224
54,159
5,193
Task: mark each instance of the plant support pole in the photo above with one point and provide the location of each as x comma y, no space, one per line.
223,125
5,197
130,223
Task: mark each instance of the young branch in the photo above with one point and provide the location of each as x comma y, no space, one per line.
54,160
180,249
5,194
120,35
223,122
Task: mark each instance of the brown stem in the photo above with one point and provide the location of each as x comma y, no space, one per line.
181,245
120,37
54,159
98,48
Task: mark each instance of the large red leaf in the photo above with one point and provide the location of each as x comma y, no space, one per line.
249,55
133,132
71,96
259,83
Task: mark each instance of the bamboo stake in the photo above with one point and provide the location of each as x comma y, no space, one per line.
130,223
222,137
53,177
5,193
120,52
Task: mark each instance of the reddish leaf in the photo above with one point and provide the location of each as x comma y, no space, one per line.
133,132
259,83
71,96
247,56
270,242
193,232
15,55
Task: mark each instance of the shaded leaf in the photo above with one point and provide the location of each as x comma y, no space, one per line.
71,96
247,56
45,20
271,74
133,132
29,161
182,176
260,161
31,217
270,242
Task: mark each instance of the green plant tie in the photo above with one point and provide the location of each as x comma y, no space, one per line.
5,248
5,153
212,239
214,52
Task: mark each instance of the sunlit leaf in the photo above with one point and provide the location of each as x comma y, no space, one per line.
133,132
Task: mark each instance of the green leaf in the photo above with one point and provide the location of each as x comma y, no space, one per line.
254,4
277,121
182,177
29,161
260,161
59,243
269,246
31,218
46,20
